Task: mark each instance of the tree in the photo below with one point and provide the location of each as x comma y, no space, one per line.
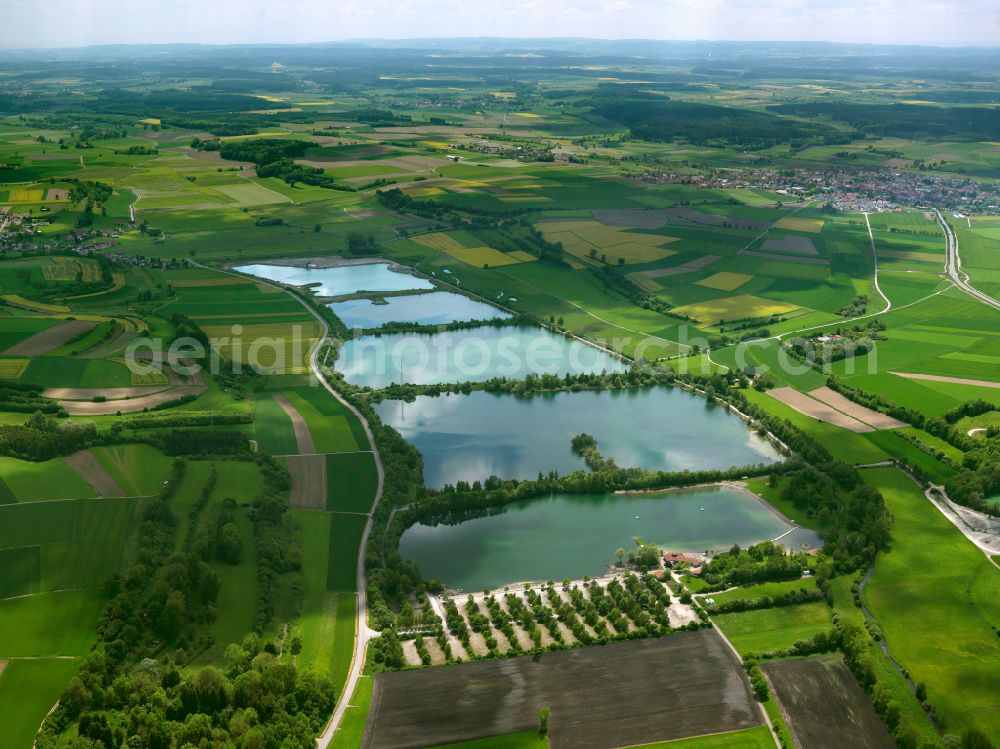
645,556
172,616
973,739
543,720
230,545
620,556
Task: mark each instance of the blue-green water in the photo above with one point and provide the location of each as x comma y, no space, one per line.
569,536
344,279
436,308
473,355
469,437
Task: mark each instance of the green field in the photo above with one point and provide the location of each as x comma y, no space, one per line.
331,433
46,546
769,630
345,538
699,204
938,624
754,592
352,480
273,428
28,690
40,482
138,469
35,626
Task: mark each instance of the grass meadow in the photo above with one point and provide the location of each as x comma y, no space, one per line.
28,690
937,597
766,630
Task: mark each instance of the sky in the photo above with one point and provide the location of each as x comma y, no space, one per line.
72,23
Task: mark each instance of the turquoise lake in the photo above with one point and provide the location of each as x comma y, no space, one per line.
569,536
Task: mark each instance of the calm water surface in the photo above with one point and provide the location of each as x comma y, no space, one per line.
470,437
569,536
472,355
344,279
436,308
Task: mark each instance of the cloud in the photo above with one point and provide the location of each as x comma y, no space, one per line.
28,23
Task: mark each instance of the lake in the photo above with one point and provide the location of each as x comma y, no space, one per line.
435,308
472,355
343,279
569,536
469,437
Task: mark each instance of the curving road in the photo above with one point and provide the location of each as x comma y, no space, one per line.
871,238
953,266
362,634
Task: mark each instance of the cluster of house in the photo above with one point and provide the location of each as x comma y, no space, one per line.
675,559
850,189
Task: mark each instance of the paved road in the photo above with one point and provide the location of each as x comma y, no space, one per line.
362,634
953,266
871,238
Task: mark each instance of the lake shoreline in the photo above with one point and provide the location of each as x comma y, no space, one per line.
738,485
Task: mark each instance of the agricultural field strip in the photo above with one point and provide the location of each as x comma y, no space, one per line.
599,319
945,378
309,481
362,633
824,706
856,411
303,437
90,470
86,394
50,339
112,407
817,409
694,685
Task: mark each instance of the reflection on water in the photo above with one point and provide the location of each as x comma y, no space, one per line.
569,536
436,308
344,279
472,355
469,437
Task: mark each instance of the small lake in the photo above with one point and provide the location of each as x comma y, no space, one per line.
569,536
436,308
343,279
472,355
469,437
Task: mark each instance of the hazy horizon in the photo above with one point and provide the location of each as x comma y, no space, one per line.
81,23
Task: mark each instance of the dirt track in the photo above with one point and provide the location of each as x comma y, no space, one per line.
50,339
624,694
86,466
308,481
302,436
